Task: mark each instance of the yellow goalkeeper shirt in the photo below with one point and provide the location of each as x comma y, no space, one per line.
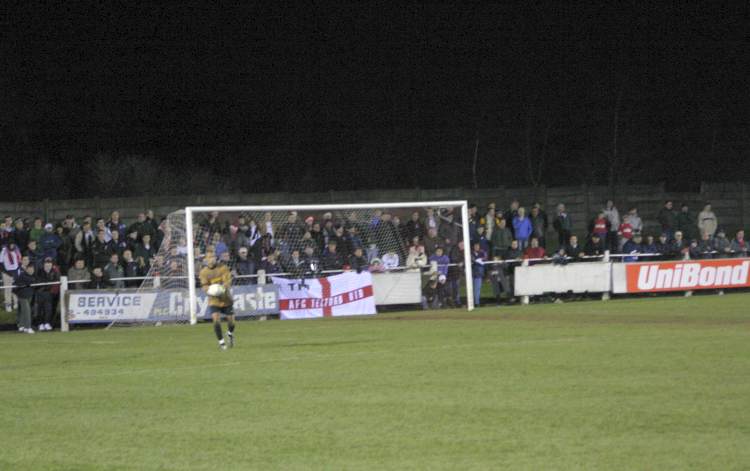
218,274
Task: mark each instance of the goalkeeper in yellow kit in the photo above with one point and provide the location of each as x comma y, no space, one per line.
218,304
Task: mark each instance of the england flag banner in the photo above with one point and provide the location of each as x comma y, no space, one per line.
347,294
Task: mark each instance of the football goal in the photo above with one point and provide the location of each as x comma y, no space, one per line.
404,245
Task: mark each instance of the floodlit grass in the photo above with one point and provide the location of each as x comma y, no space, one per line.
659,383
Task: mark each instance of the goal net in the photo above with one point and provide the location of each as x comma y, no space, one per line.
421,241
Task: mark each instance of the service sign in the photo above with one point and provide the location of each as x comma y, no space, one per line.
687,275
89,306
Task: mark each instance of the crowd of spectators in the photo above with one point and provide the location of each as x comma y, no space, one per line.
106,252
95,253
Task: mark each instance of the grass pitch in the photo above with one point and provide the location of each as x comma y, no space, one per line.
661,383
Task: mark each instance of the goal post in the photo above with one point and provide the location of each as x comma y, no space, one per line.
277,213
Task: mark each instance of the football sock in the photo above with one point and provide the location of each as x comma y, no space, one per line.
217,329
231,327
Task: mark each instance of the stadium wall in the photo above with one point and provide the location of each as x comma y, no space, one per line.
730,201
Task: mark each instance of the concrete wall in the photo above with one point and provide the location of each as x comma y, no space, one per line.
730,201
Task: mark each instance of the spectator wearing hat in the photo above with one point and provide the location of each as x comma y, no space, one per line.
49,242
46,293
707,222
10,259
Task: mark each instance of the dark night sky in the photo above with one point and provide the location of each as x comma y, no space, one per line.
365,97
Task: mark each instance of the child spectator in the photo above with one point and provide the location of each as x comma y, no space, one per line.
441,260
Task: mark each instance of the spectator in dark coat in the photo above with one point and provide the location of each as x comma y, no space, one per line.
538,224
666,218
414,227
244,266
501,239
632,247
49,242
46,295
685,222
114,271
130,268
563,224
115,224
99,279
595,246
662,247
357,260
20,235
332,259
478,257
101,250
25,293
722,244
572,249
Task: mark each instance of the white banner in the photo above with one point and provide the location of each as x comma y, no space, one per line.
578,277
347,294
398,287
104,306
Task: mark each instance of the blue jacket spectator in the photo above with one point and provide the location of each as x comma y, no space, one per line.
522,228
441,259
49,242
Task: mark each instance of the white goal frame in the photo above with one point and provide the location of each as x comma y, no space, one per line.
189,210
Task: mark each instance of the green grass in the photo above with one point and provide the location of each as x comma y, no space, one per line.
653,384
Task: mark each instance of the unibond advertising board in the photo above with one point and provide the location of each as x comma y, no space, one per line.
686,275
